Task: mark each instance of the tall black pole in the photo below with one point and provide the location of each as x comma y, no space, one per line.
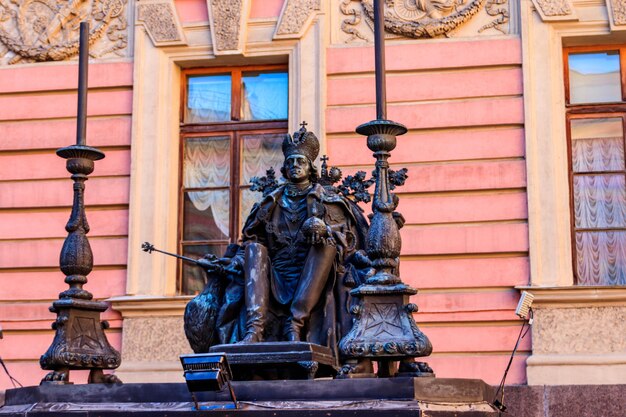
83,65
379,57
384,298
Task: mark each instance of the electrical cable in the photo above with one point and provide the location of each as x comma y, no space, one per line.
499,402
13,380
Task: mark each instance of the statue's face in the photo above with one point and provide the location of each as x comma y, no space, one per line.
297,168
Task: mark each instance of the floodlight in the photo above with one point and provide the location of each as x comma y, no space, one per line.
207,372
523,307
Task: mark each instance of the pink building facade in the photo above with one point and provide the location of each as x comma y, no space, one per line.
487,202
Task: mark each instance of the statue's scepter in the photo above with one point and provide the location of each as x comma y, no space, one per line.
209,261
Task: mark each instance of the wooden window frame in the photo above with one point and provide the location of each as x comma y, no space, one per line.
589,108
235,129
588,111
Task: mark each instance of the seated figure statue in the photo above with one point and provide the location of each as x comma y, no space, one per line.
289,277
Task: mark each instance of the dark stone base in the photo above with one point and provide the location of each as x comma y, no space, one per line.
380,397
565,401
330,398
278,360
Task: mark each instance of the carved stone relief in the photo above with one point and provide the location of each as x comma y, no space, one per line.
161,22
555,9
294,16
228,21
423,18
47,30
617,14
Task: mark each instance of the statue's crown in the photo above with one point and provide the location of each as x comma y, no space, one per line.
303,143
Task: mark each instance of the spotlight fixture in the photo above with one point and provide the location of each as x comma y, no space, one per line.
523,307
207,372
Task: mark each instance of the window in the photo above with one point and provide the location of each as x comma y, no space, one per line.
232,126
596,117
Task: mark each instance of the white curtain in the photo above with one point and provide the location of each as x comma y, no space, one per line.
600,203
260,152
601,258
207,164
598,154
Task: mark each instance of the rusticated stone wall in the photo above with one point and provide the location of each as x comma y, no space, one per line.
593,330
154,339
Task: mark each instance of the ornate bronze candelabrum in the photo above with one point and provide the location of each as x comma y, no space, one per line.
79,341
384,329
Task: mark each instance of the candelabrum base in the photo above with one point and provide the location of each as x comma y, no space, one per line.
79,342
384,331
384,327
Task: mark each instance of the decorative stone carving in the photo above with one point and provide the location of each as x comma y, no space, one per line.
422,19
294,16
617,14
555,9
501,13
228,21
43,30
349,25
161,22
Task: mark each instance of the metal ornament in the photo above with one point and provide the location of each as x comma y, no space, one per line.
384,329
79,341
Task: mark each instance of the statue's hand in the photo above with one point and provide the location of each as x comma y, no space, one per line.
315,239
322,238
211,264
231,265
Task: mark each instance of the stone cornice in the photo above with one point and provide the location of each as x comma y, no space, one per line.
576,296
577,359
149,306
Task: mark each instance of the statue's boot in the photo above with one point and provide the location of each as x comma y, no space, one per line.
257,291
319,262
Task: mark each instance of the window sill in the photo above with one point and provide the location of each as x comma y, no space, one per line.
576,296
149,306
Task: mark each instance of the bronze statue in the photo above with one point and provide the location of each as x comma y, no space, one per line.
302,251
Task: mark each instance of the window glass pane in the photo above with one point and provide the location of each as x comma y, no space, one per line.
594,77
597,145
206,162
601,258
246,201
264,95
599,201
194,277
259,153
206,215
208,98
